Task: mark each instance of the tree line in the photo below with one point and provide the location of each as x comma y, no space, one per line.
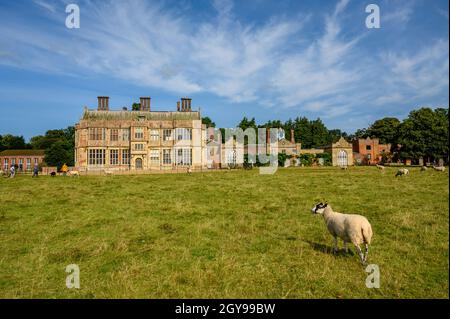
424,133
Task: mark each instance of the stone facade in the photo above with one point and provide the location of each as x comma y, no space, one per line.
140,139
341,153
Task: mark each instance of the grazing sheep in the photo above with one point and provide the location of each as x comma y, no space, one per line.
53,174
108,172
349,227
344,167
402,171
423,168
74,173
439,168
380,167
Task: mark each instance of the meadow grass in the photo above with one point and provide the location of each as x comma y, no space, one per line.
228,234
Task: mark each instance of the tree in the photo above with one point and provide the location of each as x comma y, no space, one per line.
136,107
319,133
385,129
9,142
424,134
58,154
59,146
245,123
334,135
302,132
208,122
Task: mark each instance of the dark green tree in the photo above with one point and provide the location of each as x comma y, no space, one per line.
209,123
386,129
319,133
58,154
10,142
424,134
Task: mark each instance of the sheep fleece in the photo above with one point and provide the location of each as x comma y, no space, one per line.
349,227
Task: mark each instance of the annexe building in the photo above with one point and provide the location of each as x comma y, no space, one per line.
24,160
139,139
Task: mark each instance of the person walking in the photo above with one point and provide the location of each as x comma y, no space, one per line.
12,171
35,171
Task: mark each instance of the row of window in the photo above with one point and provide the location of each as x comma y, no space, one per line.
97,157
20,162
183,156
99,134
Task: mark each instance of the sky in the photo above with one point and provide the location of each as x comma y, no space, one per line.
272,60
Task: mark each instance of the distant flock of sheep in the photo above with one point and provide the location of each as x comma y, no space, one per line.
405,171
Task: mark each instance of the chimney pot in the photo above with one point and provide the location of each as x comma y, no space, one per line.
103,103
145,103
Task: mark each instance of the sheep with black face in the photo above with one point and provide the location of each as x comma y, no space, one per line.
349,227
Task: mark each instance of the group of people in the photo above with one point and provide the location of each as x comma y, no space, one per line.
12,171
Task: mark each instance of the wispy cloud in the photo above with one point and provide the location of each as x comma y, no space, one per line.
45,5
275,63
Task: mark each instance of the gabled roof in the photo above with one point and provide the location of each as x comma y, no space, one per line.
22,153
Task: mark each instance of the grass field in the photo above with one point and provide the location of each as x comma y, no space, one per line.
230,234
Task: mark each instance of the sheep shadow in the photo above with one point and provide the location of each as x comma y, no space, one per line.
329,249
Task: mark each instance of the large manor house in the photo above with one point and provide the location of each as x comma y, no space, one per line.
142,139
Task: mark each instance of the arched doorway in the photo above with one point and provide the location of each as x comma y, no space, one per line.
138,163
342,158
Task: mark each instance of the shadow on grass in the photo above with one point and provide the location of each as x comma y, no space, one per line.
328,249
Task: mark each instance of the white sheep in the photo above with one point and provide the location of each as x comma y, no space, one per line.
74,173
380,167
349,227
439,168
402,171
108,172
423,168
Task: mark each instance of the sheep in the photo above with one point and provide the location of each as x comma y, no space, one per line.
439,168
108,172
53,174
349,227
74,173
402,171
423,168
1,172
344,167
380,167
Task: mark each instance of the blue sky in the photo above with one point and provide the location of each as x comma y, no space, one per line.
256,58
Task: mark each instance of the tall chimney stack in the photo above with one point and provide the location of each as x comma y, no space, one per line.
145,103
178,106
292,137
103,103
189,105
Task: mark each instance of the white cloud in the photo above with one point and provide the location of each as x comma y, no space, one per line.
268,63
45,5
